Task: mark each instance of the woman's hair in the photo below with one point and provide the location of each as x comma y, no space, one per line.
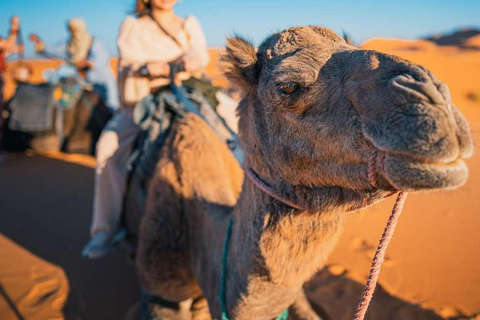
142,7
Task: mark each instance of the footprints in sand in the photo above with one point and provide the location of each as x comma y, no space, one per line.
364,251
368,250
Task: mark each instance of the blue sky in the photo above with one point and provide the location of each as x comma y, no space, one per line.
255,19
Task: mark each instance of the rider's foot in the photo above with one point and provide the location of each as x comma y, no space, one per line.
101,243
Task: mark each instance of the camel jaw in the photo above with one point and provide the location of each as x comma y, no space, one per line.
408,174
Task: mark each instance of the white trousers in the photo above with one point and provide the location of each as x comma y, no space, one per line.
113,150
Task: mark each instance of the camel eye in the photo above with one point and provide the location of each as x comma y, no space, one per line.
288,88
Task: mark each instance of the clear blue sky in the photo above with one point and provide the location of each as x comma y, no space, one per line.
253,18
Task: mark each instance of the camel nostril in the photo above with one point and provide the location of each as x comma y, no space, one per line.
406,88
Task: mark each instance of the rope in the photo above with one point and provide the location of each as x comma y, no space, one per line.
223,277
380,257
372,172
387,235
268,190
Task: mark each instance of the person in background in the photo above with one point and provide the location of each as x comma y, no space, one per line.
89,56
152,40
7,47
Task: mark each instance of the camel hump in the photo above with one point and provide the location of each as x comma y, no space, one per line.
208,168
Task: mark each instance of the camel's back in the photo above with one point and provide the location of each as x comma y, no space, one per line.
194,165
195,186
208,170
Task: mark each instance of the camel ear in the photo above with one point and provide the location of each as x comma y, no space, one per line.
239,63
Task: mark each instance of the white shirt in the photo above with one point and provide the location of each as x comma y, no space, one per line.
140,41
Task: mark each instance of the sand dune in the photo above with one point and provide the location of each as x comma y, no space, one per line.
433,261
473,42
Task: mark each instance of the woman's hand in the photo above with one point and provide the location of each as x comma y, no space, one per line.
192,63
14,25
158,69
8,44
39,45
83,64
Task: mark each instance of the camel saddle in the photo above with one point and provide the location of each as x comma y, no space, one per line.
32,107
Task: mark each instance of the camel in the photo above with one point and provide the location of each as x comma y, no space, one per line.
81,123
313,111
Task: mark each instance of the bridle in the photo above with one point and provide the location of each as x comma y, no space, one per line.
260,184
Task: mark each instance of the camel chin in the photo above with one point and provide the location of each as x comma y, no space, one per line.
407,174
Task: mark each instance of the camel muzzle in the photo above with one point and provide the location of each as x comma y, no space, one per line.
422,135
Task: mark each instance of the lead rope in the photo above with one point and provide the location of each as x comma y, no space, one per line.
387,235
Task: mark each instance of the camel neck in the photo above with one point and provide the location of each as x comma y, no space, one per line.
265,232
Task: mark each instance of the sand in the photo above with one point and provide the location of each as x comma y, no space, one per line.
46,209
433,264
29,286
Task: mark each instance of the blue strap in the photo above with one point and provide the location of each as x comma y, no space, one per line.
223,279
283,316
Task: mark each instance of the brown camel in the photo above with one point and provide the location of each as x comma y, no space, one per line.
313,110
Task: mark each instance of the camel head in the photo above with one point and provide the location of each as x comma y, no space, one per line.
315,108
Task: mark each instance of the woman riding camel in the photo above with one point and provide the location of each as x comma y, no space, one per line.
7,47
150,41
89,56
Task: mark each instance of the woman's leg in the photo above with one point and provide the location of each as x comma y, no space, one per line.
113,150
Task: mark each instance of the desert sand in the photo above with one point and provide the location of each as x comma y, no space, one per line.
46,210
31,282
433,263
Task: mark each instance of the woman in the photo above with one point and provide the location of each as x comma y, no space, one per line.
89,56
7,46
152,40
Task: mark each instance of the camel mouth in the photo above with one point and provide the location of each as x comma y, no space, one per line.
408,174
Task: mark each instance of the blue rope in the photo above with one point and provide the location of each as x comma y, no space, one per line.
223,279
